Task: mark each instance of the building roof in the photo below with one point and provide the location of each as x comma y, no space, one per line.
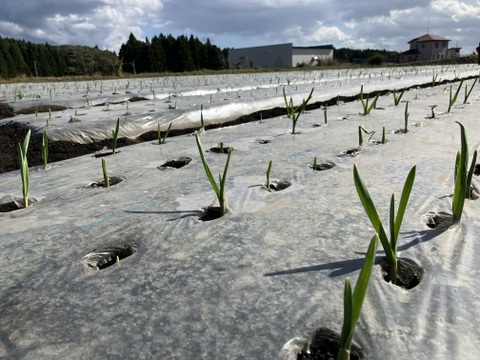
329,47
428,37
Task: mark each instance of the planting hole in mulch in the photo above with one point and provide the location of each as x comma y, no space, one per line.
279,185
221,148
210,213
176,163
8,204
409,272
104,258
262,141
324,345
440,221
477,169
114,180
323,166
352,152
104,153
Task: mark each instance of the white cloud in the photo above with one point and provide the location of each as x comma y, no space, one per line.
353,23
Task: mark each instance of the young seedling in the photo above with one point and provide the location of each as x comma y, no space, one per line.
325,115
295,112
360,135
268,174
384,137
202,123
366,107
22,156
161,139
314,167
453,99
389,246
218,188
468,92
434,79
432,107
463,180
397,98
115,136
353,301
45,149
406,115
106,180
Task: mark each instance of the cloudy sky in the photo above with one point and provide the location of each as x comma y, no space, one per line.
379,24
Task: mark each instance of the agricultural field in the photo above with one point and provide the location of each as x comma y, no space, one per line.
150,268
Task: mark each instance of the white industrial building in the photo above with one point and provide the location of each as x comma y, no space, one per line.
279,56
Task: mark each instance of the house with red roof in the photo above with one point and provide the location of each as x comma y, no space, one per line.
428,48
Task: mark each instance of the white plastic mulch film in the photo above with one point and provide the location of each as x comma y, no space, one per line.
131,272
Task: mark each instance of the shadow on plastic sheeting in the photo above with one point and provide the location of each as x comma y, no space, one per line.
340,267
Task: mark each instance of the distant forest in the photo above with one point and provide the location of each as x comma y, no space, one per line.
19,58
163,53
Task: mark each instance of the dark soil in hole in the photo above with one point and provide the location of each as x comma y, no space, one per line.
114,180
409,272
279,185
104,153
221,149
439,221
104,258
323,166
477,169
325,345
10,206
263,141
177,163
210,213
352,152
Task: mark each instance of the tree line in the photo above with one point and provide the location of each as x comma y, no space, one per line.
163,53
169,54
365,56
19,58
